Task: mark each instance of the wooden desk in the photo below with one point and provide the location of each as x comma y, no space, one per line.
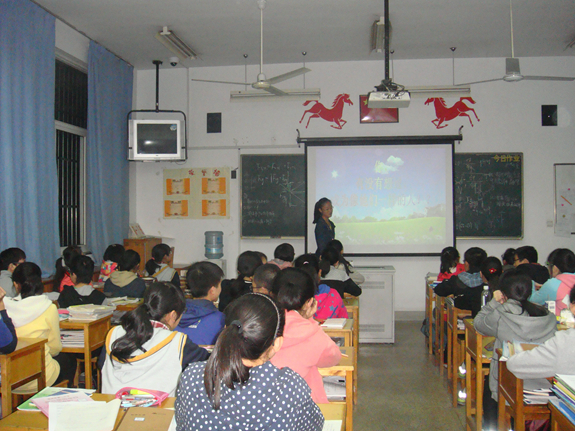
352,305
439,339
559,420
129,307
345,368
455,347
94,337
346,333
25,364
36,421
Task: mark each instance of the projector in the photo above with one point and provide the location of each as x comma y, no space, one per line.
388,99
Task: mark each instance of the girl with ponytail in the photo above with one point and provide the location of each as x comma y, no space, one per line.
35,316
238,388
247,264
561,265
145,352
158,267
512,318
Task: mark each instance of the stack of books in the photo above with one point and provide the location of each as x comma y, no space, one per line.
71,338
337,323
564,388
89,312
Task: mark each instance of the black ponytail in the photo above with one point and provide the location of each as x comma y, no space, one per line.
253,322
158,253
28,275
159,299
517,285
491,269
334,243
449,258
63,264
248,262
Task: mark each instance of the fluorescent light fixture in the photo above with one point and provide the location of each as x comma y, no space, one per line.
308,94
378,35
171,41
438,91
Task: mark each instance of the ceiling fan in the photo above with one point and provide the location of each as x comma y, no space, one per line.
263,83
512,71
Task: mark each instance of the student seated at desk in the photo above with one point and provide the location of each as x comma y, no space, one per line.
35,316
111,260
561,264
467,286
449,265
81,292
62,276
306,346
329,301
202,321
526,260
512,318
345,264
124,281
9,260
335,276
158,267
8,338
248,262
264,278
555,356
238,388
283,256
145,352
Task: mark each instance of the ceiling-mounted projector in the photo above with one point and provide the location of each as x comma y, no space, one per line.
388,99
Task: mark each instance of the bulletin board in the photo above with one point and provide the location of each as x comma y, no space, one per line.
564,199
197,193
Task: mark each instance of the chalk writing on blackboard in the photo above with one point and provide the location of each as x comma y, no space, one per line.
273,195
488,189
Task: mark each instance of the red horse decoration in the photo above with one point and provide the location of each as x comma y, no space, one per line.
443,113
332,115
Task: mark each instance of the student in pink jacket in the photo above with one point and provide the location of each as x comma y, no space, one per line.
306,347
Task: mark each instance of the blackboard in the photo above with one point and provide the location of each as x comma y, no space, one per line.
488,194
273,196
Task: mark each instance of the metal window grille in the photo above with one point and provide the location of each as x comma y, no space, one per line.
71,114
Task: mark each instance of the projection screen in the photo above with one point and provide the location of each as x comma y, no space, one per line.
388,198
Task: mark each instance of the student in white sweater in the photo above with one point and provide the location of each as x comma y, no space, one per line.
555,356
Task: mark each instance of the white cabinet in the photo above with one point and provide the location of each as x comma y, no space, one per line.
376,306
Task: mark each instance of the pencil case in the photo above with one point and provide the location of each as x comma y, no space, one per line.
137,397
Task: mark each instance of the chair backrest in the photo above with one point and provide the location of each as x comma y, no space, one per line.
509,386
23,365
474,343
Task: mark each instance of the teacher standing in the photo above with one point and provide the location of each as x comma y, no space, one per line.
324,227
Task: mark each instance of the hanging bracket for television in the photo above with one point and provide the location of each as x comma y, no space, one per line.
184,147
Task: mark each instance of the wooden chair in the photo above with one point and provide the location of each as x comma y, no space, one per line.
23,365
477,366
455,346
510,402
439,340
80,362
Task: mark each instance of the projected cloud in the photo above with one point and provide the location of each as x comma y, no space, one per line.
393,163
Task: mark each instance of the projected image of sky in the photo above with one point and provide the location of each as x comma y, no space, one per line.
382,182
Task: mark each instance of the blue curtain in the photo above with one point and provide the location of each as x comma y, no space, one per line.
28,178
110,81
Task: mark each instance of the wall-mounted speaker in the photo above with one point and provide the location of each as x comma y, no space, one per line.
548,115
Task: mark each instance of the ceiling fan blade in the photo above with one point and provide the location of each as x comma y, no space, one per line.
481,82
288,75
549,78
276,91
222,82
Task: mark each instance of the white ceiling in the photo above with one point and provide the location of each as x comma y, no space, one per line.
221,31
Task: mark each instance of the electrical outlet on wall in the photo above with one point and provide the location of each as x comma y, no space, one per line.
549,223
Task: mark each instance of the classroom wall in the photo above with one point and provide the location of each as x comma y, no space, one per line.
510,115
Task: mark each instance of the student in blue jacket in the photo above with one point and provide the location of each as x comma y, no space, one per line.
8,339
202,321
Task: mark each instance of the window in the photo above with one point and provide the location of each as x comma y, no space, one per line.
71,115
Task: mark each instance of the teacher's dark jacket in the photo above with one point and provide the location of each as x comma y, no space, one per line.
323,235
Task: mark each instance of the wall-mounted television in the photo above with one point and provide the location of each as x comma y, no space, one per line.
156,140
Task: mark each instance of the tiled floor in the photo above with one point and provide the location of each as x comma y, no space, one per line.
400,388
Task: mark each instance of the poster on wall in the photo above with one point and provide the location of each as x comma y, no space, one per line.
564,199
197,193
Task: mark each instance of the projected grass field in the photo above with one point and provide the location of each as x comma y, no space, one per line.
419,231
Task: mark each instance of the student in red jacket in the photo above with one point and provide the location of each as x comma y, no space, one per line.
306,346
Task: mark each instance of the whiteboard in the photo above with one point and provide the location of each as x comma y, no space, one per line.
564,199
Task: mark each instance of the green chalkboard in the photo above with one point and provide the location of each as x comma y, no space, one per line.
488,194
272,196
